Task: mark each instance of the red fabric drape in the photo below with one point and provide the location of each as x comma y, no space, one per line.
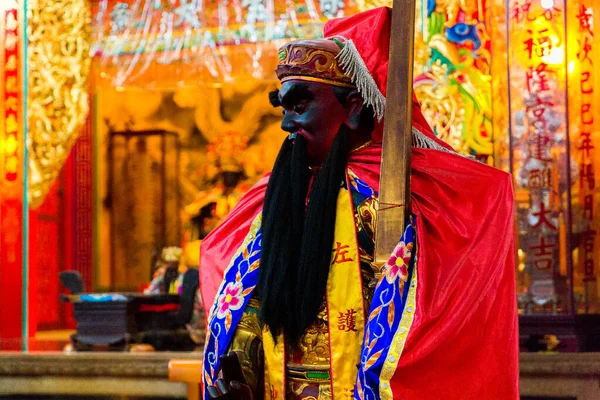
463,342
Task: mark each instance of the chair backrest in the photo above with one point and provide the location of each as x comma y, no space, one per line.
73,281
187,297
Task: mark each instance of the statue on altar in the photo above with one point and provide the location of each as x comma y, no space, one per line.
211,206
227,181
298,309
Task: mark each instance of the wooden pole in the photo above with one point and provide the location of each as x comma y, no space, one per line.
394,186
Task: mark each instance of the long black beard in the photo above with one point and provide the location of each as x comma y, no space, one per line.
298,238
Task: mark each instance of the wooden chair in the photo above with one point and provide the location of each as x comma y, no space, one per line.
189,372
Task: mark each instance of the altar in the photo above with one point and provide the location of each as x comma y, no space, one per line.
107,376
110,375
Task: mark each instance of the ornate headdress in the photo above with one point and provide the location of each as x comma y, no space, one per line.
334,61
355,53
312,60
337,60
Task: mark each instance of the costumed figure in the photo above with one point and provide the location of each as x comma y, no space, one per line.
302,306
178,274
166,277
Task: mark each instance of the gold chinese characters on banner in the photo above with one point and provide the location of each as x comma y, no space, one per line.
11,138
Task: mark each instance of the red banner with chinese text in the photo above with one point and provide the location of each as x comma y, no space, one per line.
11,180
537,43
585,137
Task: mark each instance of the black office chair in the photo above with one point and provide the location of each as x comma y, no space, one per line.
187,297
73,281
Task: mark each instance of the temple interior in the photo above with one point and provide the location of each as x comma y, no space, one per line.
133,127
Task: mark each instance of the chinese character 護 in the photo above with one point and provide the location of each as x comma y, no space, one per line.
347,321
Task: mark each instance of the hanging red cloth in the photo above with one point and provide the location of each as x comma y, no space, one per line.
464,338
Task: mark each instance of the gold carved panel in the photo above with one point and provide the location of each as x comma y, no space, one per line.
58,102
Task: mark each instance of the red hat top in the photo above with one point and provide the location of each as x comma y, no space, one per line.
365,58
366,53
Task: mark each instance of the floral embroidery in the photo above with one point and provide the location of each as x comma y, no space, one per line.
397,264
238,283
387,309
230,299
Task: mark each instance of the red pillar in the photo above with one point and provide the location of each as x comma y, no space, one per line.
78,212
11,179
45,261
60,238
60,234
83,215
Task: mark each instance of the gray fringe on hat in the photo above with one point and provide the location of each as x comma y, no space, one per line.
353,65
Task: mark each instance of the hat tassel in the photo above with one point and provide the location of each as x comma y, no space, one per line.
354,66
420,140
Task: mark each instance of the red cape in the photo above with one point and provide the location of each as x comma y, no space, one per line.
464,339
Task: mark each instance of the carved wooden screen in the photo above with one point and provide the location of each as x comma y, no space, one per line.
144,202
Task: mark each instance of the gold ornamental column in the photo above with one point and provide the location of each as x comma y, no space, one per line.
59,65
